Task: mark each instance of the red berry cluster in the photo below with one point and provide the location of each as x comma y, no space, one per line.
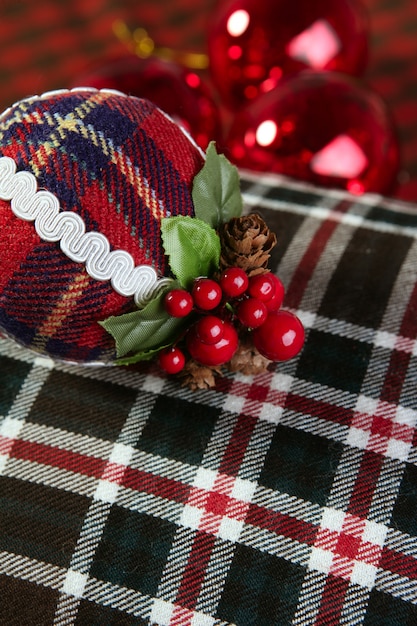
224,307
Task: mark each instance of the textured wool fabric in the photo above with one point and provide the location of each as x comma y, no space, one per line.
121,165
287,498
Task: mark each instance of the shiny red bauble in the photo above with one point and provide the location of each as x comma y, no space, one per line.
274,303
251,312
180,92
209,329
253,43
280,337
172,360
206,293
213,354
178,303
262,286
234,281
320,127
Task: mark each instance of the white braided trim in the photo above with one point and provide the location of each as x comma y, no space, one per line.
91,248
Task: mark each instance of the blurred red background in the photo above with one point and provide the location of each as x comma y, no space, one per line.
48,43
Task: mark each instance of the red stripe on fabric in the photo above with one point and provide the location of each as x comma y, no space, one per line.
332,601
394,379
99,468
311,257
364,488
399,563
369,553
399,361
217,504
409,323
288,400
195,570
18,238
225,385
281,524
6,444
238,444
156,485
234,387
114,472
255,394
283,399
319,409
181,617
56,457
402,432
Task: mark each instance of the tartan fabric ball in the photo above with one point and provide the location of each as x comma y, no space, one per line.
120,165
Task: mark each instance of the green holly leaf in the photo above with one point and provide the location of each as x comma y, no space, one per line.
146,331
192,246
216,191
146,355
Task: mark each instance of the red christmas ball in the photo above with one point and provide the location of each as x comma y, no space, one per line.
213,354
206,293
253,43
252,312
280,337
172,360
209,329
180,92
320,127
178,303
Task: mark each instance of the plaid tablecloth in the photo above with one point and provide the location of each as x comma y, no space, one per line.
285,498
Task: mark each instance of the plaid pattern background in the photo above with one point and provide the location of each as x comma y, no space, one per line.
285,498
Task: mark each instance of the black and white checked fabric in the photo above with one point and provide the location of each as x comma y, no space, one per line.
284,498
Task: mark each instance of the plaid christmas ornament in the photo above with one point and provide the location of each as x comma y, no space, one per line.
119,165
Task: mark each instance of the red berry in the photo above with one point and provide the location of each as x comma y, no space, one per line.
210,329
261,286
214,354
172,360
234,281
252,312
206,293
275,302
280,337
178,303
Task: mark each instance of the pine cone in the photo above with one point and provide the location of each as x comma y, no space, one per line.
196,376
247,359
246,242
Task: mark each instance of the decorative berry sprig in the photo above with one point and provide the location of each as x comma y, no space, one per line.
224,308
